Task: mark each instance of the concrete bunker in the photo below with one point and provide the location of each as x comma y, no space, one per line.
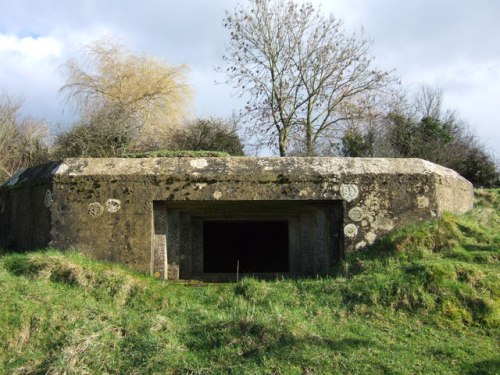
197,217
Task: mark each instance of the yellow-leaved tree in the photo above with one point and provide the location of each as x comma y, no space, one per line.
22,139
125,101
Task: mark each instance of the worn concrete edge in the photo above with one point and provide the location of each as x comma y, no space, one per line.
229,169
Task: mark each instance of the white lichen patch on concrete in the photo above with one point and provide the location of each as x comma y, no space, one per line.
349,192
360,245
382,223
264,163
422,201
372,203
356,213
217,195
351,230
329,188
198,163
376,216
370,237
303,193
95,209
48,200
113,205
200,185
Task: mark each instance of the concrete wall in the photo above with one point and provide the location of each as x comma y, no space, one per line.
104,207
25,202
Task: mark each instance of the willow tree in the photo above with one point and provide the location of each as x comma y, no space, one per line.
304,77
149,96
22,139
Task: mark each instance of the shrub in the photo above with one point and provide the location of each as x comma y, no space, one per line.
98,137
210,134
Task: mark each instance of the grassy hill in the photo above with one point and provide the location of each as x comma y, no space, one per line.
424,300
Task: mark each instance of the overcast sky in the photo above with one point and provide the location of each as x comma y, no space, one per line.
454,44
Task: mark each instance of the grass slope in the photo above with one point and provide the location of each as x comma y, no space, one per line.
424,300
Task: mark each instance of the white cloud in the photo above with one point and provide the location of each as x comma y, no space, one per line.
30,48
29,71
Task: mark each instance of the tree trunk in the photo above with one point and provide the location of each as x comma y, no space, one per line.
282,148
309,142
283,140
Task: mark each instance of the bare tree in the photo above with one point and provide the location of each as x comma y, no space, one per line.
303,75
148,92
428,101
8,132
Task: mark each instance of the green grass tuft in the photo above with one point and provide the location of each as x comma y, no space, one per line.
447,268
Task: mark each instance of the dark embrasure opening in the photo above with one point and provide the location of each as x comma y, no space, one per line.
259,246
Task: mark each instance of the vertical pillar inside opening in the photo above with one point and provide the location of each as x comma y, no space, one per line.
159,262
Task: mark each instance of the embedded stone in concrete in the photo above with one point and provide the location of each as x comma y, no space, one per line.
351,230
95,209
356,213
349,192
113,205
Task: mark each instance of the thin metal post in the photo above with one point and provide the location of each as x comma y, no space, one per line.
238,270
